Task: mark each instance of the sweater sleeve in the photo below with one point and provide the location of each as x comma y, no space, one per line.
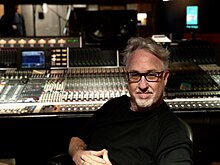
175,147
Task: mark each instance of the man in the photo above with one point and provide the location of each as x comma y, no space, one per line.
139,129
12,23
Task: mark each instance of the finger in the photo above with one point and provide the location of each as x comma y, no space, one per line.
92,157
97,153
82,161
105,156
95,158
92,154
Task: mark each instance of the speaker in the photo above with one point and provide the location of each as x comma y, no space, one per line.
109,28
76,22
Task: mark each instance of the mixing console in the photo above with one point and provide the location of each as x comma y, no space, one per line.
90,86
44,75
86,89
190,80
197,52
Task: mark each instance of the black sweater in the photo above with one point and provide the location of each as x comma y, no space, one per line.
138,138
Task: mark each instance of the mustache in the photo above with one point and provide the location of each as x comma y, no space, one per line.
144,91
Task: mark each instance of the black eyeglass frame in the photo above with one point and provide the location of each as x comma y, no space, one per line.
145,76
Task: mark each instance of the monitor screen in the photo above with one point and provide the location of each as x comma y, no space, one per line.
33,59
192,17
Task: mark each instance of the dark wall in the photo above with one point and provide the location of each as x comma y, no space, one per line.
104,28
172,17
33,140
209,16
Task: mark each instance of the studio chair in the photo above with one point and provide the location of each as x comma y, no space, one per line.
187,127
60,159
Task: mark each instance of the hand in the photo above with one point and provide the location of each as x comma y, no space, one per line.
105,157
14,27
90,157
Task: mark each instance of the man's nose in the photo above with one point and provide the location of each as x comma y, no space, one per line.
143,83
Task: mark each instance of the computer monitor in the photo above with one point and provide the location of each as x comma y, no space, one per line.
33,59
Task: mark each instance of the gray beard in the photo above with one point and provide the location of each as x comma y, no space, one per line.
142,103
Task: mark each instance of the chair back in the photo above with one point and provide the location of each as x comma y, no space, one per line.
187,127
61,159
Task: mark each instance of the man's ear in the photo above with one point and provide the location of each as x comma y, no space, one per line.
166,76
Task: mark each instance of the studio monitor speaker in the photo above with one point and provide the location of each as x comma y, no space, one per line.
109,28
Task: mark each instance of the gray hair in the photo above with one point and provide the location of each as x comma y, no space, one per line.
149,45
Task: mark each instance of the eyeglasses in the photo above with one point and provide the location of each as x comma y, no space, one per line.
134,77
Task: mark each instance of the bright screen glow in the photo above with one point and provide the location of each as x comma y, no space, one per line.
192,17
142,19
33,59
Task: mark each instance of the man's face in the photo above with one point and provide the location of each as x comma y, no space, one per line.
146,94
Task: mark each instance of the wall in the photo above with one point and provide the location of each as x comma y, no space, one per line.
52,24
172,19
1,10
54,21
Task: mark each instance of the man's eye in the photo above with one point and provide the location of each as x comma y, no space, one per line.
134,75
152,74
